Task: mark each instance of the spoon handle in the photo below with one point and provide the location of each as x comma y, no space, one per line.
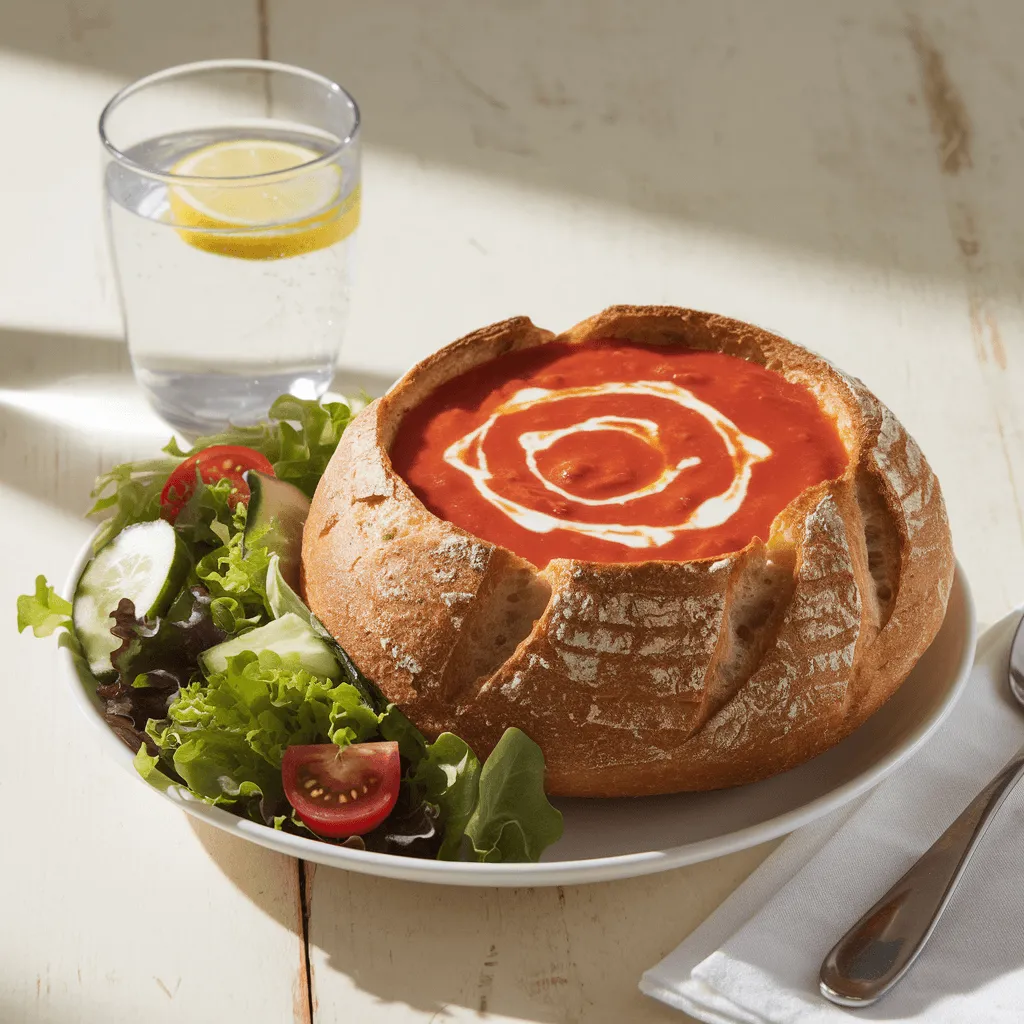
880,948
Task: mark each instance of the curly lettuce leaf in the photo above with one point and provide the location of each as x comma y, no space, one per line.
512,819
222,768
234,727
225,737
148,766
236,577
298,437
43,611
130,492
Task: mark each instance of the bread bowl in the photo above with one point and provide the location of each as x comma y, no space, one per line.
654,674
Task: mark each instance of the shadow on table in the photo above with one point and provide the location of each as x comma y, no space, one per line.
505,952
69,410
833,129
49,451
235,858
32,359
544,954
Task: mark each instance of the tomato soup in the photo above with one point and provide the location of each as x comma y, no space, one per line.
609,451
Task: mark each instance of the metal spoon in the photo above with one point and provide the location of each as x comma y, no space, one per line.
881,947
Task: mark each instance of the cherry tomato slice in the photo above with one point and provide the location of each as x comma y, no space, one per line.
342,791
214,463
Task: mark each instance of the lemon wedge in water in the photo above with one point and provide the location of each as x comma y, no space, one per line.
263,220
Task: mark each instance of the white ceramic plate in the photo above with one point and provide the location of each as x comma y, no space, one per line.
607,839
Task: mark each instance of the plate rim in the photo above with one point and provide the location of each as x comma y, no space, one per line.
569,872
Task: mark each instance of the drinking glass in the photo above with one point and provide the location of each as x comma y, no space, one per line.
231,192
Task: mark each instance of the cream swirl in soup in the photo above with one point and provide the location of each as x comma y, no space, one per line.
611,451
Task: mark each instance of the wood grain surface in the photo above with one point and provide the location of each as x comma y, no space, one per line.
844,173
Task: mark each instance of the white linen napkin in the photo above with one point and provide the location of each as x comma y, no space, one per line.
756,959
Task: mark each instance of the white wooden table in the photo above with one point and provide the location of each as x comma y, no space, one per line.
848,174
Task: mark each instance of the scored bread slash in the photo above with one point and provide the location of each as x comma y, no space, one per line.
653,675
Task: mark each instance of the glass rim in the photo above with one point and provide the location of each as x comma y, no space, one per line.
226,64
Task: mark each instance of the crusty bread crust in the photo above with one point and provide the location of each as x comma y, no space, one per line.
649,677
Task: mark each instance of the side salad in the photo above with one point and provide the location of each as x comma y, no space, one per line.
211,668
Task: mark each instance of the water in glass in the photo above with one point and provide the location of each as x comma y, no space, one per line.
232,296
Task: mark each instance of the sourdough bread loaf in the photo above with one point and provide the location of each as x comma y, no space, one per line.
645,677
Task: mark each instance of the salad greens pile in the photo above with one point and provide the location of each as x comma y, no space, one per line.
221,731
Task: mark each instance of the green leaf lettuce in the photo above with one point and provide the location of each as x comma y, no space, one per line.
448,776
512,820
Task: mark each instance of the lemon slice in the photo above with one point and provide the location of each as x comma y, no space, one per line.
264,220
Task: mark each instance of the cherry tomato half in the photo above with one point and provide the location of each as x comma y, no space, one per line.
342,791
214,463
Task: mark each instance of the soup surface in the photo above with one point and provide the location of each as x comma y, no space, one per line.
610,451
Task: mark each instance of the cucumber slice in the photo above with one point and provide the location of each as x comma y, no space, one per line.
277,513
288,635
147,564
